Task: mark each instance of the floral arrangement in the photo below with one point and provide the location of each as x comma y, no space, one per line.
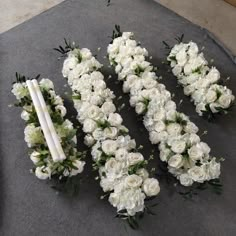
45,166
122,169
187,157
200,82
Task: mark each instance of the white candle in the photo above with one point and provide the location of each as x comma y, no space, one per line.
42,121
49,122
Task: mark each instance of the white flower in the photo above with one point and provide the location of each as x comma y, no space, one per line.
61,109
110,132
225,100
79,165
113,168
214,169
121,155
115,119
133,181
176,161
177,70
197,173
85,53
25,115
107,184
213,76
108,107
185,180
20,90
174,129
109,147
195,152
151,187
178,146
46,84
140,108
211,96
89,125
69,64
35,157
33,135
191,127
89,140
142,173
131,200
135,157
43,172
94,112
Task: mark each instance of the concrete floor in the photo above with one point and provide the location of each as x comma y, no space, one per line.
14,12
216,15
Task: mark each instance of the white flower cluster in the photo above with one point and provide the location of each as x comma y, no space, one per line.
199,81
45,167
187,157
121,169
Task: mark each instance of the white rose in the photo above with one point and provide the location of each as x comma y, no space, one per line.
193,138
176,161
159,126
164,154
69,64
134,158
149,83
89,126
142,173
178,146
177,70
113,167
110,132
61,109
25,115
19,90
107,184
108,107
211,96
109,147
79,165
46,84
189,89
35,157
93,112
193,49
213,76
191,127
33,135
98,134
133,181
115,119
151,187
43,172
89,140
225,100
140,108
185,180
197,173
121,155
195,152
86,53
214,169
174,129
154,137
181,57
205,148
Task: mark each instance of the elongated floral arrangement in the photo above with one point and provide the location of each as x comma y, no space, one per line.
187,157
47,166
201,82
122,169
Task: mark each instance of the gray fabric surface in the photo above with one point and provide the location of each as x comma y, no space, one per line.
29,206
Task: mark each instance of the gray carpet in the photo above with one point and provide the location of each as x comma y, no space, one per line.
29,206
